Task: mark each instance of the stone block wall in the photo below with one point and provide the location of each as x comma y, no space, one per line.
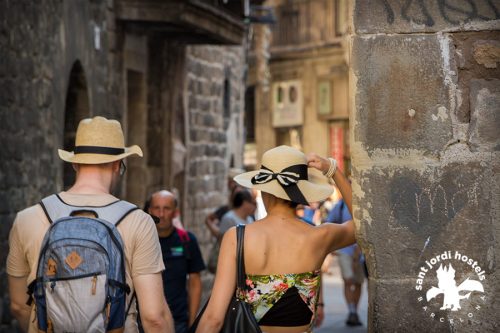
214,100
425,148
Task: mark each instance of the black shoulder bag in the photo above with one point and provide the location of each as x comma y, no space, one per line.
239,317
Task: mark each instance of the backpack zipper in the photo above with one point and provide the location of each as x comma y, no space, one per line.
75,277
94,284
94,280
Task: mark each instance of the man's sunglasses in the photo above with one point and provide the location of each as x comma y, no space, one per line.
123,168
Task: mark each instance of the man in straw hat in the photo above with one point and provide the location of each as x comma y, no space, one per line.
98,162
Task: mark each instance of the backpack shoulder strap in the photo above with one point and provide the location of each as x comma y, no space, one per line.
116,212
55,208
183,235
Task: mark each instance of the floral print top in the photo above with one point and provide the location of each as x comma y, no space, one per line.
265,290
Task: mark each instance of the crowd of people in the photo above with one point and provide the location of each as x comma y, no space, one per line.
295,219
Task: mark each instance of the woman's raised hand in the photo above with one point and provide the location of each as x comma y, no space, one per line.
318,162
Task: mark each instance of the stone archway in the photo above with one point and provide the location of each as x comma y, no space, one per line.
77,107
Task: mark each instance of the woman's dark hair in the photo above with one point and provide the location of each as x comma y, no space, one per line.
288,202
240,197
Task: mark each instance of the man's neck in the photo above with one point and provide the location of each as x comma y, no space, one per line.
92,182
240,213
166,233
88,189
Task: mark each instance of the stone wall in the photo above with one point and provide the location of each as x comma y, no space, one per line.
425,81
214,103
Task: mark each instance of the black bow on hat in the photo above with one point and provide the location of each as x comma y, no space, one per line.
288,178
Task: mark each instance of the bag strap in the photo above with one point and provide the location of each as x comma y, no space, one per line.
240,264
130,304
185,240
55,208
183,235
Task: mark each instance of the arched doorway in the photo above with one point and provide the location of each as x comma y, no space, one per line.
77,107
136,133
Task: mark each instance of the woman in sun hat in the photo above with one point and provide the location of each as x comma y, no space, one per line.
283,255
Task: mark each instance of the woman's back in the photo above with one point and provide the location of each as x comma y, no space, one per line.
282,259
281,244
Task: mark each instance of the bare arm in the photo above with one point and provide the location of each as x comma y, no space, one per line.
18,298
224,286
155,314
212,223
194,290
343,234
322,164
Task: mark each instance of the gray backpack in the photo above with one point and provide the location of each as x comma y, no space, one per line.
80,283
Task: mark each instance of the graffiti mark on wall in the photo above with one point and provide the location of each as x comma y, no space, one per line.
422,208
451,11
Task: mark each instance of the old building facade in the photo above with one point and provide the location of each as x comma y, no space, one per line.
172,72
300,75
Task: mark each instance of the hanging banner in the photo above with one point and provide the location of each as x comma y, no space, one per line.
337,144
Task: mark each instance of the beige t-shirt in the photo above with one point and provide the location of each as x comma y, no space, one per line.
138,232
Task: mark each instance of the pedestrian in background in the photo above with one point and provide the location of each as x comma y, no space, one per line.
183,261
213,219
351,266
242,211
243,208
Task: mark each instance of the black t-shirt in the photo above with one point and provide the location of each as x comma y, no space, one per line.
178,264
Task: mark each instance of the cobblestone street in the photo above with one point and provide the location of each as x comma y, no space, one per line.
335,307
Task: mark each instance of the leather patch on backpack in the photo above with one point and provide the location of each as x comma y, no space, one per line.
73,260
51,267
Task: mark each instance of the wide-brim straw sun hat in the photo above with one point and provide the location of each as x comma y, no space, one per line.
99,140
233,172
284,173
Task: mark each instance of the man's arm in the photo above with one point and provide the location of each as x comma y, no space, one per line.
18,298
194,292
213,225
155,314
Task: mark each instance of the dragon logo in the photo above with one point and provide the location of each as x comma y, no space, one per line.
448,286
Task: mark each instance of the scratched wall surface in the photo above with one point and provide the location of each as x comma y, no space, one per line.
425,147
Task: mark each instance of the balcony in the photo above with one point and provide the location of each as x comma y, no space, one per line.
306,24
195,21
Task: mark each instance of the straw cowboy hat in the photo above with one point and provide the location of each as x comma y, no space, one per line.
284,174
99,140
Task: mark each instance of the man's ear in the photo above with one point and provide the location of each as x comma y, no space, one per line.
116,166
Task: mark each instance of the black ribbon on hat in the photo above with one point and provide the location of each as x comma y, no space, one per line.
98,150
288,178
